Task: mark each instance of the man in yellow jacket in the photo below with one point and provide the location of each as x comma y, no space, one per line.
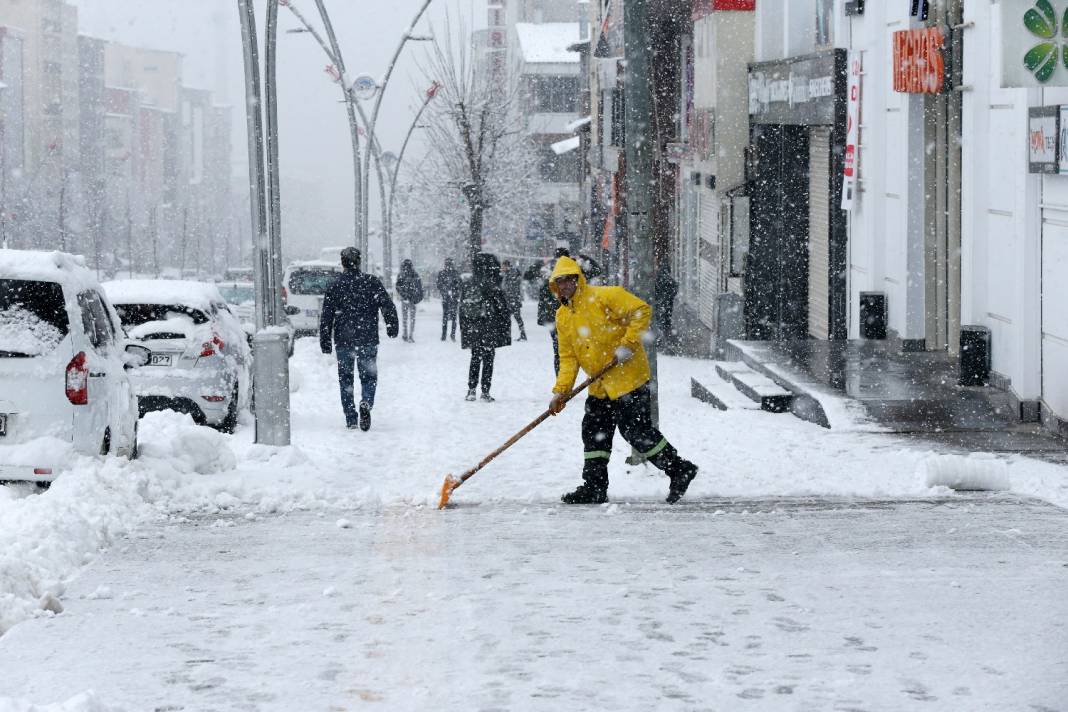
596,325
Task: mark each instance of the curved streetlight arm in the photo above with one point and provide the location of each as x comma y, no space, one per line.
381,91
396,168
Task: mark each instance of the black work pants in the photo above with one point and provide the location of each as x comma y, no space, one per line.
481,359
633,415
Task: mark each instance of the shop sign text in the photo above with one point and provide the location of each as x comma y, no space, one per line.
919,65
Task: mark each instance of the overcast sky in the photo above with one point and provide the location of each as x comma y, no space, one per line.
316,153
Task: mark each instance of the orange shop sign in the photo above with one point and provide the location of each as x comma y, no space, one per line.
919,65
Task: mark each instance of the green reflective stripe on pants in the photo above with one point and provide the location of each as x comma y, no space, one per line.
598,455
656,448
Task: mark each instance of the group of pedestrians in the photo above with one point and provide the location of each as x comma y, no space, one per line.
593,328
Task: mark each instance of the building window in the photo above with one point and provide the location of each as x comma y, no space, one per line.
553,95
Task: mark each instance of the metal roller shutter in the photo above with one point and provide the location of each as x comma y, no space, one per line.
710,262
819,232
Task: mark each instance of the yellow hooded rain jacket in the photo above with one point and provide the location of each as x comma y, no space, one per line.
590,328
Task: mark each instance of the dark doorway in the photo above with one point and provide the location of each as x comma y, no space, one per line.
776,295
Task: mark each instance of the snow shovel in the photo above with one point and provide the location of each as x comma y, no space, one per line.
452,482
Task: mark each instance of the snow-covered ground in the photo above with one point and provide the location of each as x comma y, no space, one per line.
382,485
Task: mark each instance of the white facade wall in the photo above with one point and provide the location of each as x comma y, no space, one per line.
1014,245
1015,248
886,225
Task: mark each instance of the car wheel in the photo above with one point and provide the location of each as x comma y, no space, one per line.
229,423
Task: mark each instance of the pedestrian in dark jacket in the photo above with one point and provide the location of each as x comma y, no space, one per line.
410,291
512,284
349,326
485,324
449,289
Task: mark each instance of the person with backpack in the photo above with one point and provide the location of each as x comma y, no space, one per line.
349,326
410,291
449,290
485,322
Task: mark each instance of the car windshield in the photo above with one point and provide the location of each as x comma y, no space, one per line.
33,318
238,293
311,281
137,314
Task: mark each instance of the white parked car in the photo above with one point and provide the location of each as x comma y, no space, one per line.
62,364
200,361
241,298
305,285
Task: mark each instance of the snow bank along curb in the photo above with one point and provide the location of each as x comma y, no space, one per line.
45,539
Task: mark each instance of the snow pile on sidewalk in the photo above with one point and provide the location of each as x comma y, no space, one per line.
85,702
46,538
189,449
975,472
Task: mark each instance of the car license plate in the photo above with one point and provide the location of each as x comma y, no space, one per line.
3,425
159,360
312,313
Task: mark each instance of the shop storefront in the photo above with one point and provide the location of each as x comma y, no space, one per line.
796,265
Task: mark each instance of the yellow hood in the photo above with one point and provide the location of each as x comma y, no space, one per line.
565,267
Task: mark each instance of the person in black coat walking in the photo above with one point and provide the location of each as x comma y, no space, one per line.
485,321
410,291
349,326
449,289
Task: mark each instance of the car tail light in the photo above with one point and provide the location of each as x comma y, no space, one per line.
285,295
42,470
214,399
209,347
78,380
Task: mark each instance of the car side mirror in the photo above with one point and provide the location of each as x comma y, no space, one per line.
136,356
292,311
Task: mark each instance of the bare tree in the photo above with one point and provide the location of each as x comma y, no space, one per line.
479,157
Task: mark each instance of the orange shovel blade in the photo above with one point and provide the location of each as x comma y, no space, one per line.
447,487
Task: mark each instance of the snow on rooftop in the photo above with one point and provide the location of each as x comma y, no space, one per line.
198,295
547,42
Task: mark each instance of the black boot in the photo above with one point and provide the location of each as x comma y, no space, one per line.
594,487
681,476
586,494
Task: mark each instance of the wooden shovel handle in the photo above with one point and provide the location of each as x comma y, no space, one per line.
536,422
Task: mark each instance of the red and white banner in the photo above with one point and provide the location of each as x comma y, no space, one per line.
852,149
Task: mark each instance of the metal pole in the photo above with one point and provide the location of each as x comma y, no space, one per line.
637,85
374,112
271,384
257,184
274,192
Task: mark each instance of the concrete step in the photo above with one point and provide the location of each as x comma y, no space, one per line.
718,394
757,387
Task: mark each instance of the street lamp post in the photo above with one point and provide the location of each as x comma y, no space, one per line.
271,380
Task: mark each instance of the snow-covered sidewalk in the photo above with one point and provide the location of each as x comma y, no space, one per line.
228,494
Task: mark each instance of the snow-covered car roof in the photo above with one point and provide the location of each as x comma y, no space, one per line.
47,266
199,295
